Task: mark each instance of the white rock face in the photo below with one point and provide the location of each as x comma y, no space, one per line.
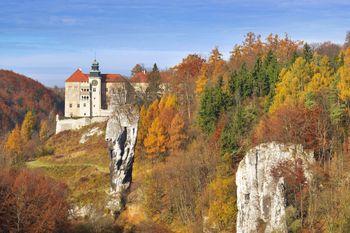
121,134
260,196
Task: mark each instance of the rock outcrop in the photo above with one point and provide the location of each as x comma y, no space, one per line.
121,134
94,131
260,196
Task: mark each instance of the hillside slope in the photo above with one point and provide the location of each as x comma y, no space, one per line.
18,94
84,167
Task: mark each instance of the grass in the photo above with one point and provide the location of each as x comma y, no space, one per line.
83,167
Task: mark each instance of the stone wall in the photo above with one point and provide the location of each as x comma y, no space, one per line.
73,124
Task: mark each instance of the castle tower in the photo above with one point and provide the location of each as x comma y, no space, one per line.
95,89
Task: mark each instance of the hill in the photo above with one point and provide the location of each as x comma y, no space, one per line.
82,166
18,94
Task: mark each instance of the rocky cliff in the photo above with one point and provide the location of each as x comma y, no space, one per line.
121,134
260,196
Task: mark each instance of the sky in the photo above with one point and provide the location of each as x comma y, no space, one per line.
47,40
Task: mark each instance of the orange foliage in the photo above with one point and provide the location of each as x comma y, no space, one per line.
253,47
293,124
177,134
19,94
31,202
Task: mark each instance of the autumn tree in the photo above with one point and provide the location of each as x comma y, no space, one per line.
44,131
156,140
323,75
296,124
14,145
185,82
344,78
292,84
202,80
253,47
32,202
177,133
328,49
27,127
137,69
216,65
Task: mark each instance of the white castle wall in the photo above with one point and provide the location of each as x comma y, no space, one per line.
72,124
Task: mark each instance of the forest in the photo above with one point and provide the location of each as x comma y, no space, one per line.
197,121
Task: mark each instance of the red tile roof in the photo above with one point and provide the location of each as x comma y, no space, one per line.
113,78
79,76
139,77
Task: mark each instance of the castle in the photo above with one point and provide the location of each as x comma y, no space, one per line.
88,95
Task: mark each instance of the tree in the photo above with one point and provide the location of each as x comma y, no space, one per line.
216,65
202,80
307,52
237,128
155,142
153,89
177,133
137,69
292,85
213,101
322,78
32,202
185,82
44,131
328,49
295,124
344,78
272,69
13,146
28,125
347,40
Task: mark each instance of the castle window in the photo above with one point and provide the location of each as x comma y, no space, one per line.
70,105
94,89
78,105
84,105
84,114
106,89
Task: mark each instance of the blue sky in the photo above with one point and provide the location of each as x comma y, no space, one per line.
48,39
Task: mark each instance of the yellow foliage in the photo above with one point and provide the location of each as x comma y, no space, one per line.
27,126
155,142
168,101
177,134
202,80
43,134
222,204
344,75
322,78
143,124
13,144
293,84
